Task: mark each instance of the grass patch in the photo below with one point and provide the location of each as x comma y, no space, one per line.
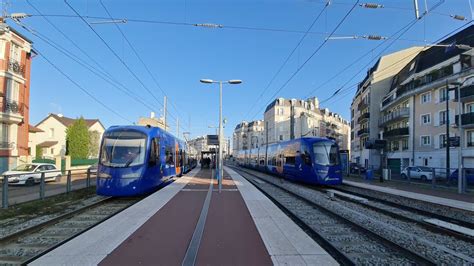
49,205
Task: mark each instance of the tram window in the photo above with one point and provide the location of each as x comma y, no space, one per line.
169,156
306,158
291,160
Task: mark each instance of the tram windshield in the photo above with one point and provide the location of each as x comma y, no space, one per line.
326,153
123,149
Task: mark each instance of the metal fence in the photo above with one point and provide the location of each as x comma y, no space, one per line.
422,175
24,187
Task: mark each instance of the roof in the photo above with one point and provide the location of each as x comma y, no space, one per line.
34,129
47,144
66,121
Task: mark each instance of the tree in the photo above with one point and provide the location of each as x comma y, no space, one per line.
39,152
94,139
77,139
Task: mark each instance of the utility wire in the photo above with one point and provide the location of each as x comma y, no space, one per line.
84,64
116,55
80,87
286,60
309,58
141,60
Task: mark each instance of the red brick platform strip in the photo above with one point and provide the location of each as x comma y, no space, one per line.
230,235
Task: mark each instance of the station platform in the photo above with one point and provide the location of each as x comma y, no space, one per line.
189,222
445,198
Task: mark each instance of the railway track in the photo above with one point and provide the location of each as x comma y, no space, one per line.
28,244
379,237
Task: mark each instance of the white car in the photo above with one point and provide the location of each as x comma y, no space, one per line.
418,172
29,174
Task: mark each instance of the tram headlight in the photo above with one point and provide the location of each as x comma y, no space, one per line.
131,175
103,175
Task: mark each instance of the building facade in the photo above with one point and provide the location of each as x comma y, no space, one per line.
365,107
50,135
15,65
415,111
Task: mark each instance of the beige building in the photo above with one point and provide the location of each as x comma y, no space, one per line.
414,111
50,134
365,107
287,119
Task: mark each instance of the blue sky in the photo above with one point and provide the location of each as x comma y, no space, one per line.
180,55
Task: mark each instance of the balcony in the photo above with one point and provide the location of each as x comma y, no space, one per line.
12,111
467,93
362,105
363,131
467,120
403,131
363,117
394,116
15,67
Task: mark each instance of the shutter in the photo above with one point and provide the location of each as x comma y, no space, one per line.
436,118
436,141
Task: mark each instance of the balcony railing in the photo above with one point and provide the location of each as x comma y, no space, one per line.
362,105
16,67
363,117
13,107
396,132
467,93
394,116
467,119
363,131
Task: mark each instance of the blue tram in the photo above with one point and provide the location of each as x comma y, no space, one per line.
307,160
136,160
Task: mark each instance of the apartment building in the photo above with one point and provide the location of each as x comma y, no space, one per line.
365,107
414,114
286,119
15,65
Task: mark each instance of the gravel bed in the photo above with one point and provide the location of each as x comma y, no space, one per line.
361,249
449,212
19,223
438,248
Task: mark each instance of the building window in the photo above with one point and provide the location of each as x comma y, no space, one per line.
3,132
470,108
443,96
51,132
52,150
442,117
426,119
442,141
395,146
15,52
425,140
404,144
470,138
426,98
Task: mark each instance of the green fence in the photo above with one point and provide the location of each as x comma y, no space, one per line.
79,162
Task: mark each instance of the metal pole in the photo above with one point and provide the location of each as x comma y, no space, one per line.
448,159
5,192
461,136
42,186
88,178
68,183
221,172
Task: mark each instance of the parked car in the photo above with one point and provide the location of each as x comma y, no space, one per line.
29,174
418,172
469,172
354,168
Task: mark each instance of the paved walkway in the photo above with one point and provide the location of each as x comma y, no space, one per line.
190,223
460,201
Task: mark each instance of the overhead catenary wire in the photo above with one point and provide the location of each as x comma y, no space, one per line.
310,57
84,64
81,88
116,55
286,60
141,61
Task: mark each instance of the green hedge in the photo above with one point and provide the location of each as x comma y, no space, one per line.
78,162
44,161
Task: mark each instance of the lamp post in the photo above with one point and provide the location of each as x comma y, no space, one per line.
221,133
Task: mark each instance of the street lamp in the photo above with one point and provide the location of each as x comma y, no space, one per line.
221,133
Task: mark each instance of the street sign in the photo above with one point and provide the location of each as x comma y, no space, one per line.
212,140
454,141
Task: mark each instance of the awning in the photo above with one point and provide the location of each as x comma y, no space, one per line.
47,144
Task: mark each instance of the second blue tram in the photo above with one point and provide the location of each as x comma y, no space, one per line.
308,160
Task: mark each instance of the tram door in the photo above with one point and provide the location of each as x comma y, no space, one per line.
178,159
